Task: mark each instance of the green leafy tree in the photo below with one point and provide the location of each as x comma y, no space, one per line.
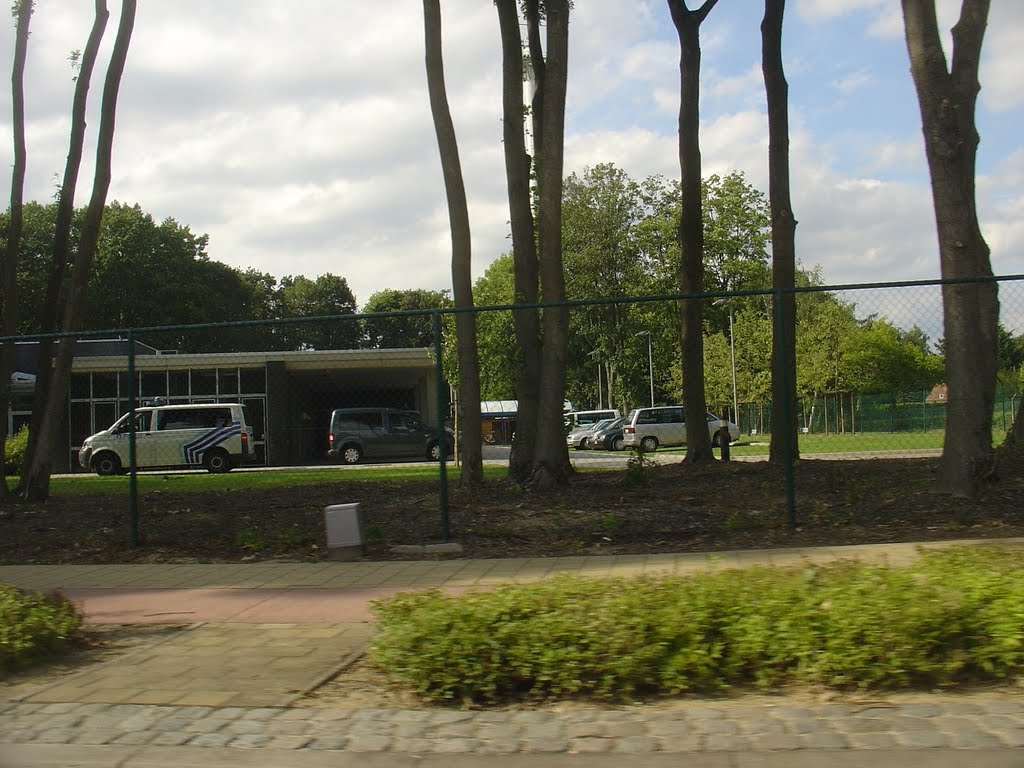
877,359
496,333
600,213
737,231
402,331
326,296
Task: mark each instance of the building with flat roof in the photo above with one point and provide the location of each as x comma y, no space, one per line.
289,395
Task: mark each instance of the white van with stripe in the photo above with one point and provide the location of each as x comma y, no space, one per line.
216,436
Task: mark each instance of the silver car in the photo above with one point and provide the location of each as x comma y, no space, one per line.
578,437
608,438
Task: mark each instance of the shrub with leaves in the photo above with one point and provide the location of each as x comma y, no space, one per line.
34,626
14,450
952,616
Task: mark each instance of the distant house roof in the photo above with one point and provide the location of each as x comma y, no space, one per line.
939,394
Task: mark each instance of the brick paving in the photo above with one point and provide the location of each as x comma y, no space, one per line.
265,633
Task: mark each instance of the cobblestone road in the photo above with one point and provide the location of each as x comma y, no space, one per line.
982,723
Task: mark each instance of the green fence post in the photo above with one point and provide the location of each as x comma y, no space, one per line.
442,438
133,485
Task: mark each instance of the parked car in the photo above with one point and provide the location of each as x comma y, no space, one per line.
608,438
579,436
383,433
217,436
648,429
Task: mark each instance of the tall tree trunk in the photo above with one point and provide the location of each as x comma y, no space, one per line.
524,246
23,14
783,233
462,280
691,228
62,234
947,99
551,462
37,480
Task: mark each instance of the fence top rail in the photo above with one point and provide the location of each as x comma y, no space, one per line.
129,332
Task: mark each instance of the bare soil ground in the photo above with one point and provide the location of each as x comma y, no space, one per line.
673,508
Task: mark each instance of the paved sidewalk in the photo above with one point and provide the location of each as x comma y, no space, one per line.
418,574
259,635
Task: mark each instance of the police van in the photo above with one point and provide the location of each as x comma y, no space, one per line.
217,436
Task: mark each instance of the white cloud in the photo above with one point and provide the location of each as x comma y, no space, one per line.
853,81
302,142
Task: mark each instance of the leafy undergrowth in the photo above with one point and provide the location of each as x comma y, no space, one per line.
33,627
642,509
953,617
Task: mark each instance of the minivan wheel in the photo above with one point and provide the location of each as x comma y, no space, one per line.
351,454
216,461
649,444
106,464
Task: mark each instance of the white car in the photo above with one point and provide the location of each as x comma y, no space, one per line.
649,429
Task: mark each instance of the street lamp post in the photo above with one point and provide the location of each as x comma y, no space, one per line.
732,359
732,355
594,354
650,363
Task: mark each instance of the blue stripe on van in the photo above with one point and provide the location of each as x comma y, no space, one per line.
192,452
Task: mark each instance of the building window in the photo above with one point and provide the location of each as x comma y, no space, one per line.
177,383
227,381
154,384
104,385
204,383
254,380
80,386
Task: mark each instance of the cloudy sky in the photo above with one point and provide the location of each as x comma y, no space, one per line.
298,135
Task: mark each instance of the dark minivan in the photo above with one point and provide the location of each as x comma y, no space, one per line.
383,433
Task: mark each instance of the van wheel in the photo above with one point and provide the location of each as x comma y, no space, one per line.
106,464
351,454
649,444
434,452
618,444
217,461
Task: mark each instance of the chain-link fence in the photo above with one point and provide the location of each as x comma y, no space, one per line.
356,390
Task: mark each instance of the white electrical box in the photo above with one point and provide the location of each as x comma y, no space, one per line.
344,532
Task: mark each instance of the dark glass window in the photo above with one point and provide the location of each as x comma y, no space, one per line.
154,384
81,423
80,386
254,380
104,385
227,383
204,382
103,414
178,383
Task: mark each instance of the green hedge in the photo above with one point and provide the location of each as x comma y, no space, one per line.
33,627
951,617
